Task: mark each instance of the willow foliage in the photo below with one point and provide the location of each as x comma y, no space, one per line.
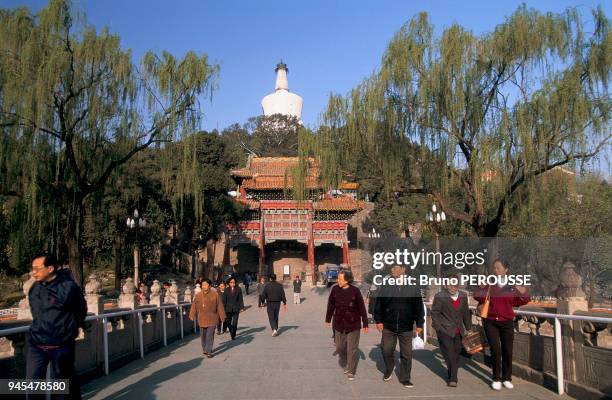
484,114
74,108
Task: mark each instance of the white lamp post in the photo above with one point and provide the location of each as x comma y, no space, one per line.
136,223
435,217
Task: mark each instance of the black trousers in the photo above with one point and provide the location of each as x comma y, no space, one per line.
232,323
273,308
260,301
500,335
62,367
451,350
247,288
388,342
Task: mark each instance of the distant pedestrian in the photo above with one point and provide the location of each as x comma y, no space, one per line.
451,318
273,295
260,290
208,309
247,282
222,323
396,310
297,290
58,310
347,308
233,304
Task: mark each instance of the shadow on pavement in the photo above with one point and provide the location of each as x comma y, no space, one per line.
243,337
283,329
376,356
476,369
145,388
432,359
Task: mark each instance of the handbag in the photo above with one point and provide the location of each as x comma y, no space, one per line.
484,308
474,341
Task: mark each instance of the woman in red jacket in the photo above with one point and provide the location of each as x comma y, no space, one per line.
499,324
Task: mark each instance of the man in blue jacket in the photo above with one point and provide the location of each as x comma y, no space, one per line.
58,310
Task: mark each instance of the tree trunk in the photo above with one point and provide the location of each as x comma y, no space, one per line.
210,258
75,228
193,263
118,262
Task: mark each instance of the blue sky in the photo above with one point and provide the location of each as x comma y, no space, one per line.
328,45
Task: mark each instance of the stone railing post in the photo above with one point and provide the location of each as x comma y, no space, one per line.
572,299
155,297
95,304
187,295
24,311
128,298
172,294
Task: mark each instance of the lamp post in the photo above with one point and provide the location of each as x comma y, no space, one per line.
374,234
435,218
136,223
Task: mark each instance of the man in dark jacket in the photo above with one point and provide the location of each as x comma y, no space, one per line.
451,317
297,290
233,304
272,296
58,310
397,309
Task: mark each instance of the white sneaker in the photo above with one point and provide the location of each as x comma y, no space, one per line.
496,385
274,332
508,385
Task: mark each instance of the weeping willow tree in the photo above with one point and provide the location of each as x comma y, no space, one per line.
74,108
483,115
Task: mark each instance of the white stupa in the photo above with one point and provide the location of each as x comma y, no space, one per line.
282,101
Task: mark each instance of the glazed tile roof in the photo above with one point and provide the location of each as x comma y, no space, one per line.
275,182
342,203
250,204
270,173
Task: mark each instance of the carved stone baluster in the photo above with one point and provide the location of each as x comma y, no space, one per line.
24,311
95,304
156,294
128,298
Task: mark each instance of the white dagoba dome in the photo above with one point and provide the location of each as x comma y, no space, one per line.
282,101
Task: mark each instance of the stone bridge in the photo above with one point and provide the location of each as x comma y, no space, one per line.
298,364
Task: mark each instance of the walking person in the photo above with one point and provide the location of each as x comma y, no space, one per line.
233,304
272,296
451,318
347,308
222,324
499,322
247,282
208,309
396,310
297,290
58,310
260,289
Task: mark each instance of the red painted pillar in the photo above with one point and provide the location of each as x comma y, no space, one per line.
311,258
345,253
262,248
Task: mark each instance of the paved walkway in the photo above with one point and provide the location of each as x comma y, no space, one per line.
298,364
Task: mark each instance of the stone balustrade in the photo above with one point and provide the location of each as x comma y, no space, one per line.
123,334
